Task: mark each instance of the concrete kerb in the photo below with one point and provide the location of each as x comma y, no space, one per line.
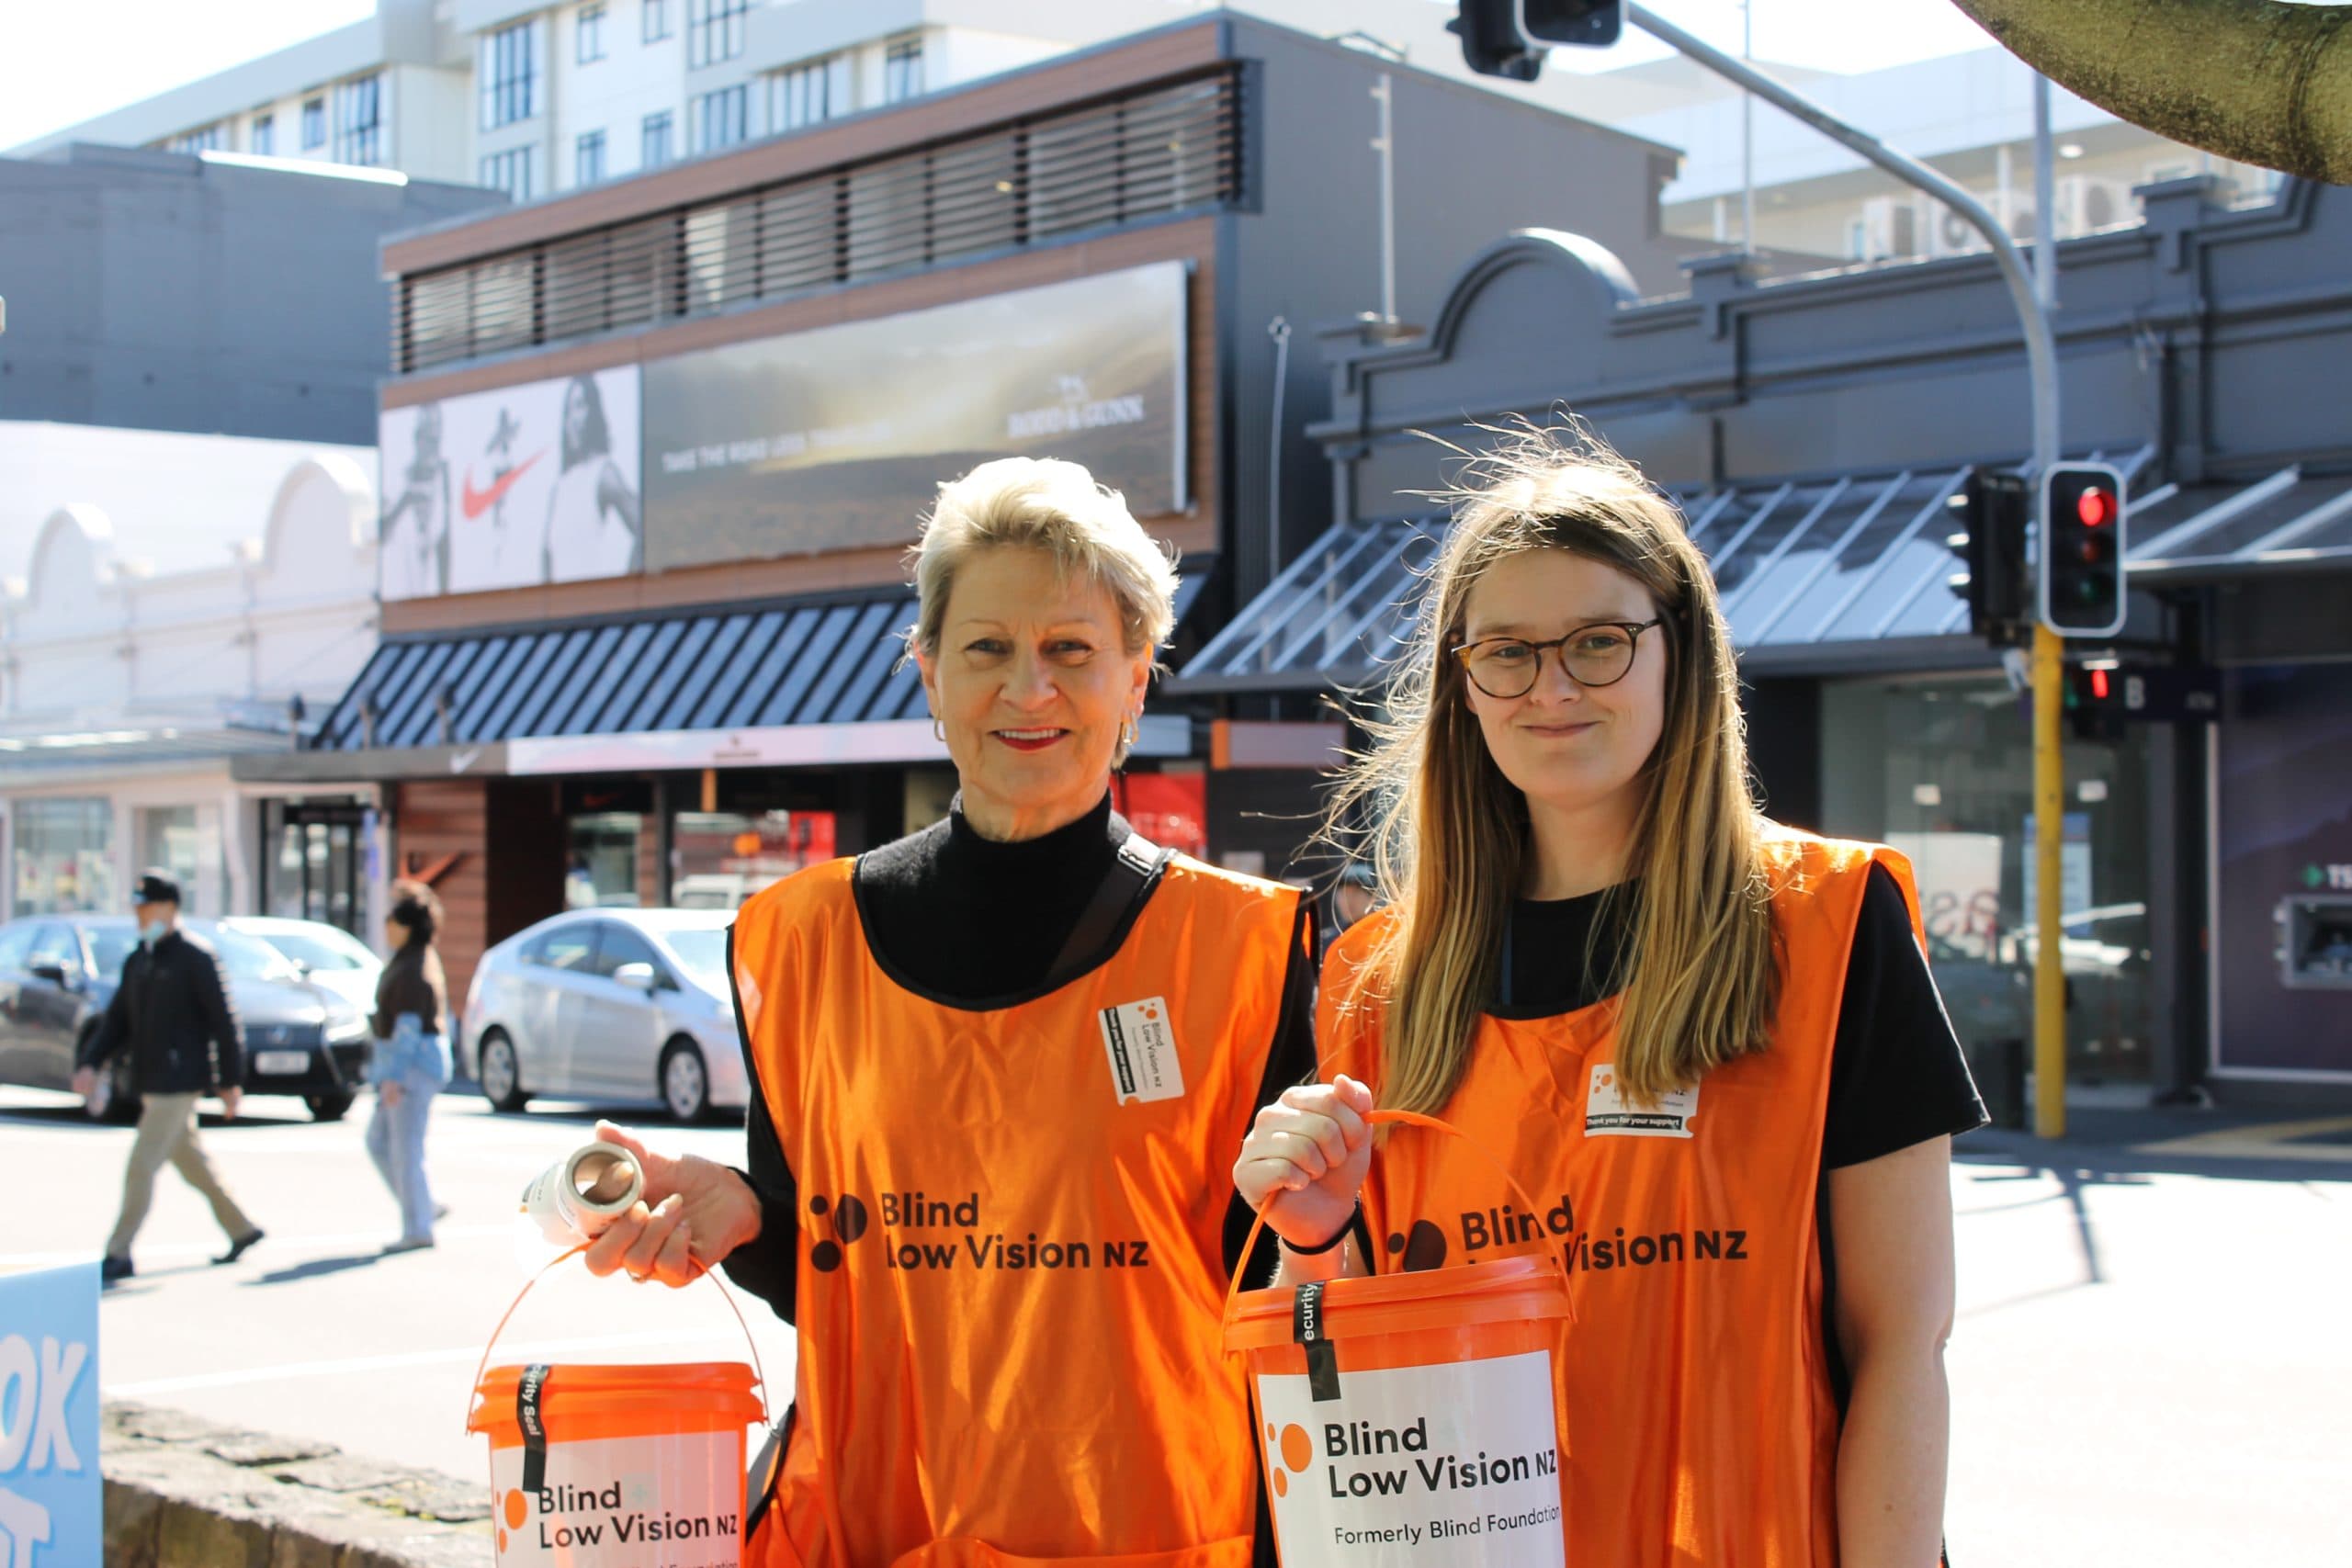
182,1493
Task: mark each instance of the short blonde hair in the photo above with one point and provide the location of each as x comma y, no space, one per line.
1043,503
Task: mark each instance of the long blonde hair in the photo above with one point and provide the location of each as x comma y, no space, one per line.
1448,834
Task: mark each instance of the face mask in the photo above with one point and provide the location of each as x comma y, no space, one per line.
152,932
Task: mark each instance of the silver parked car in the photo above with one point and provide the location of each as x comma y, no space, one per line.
609,1004
327,955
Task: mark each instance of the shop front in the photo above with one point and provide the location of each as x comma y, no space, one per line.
1815,432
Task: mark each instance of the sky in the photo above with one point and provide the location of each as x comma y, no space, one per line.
63,64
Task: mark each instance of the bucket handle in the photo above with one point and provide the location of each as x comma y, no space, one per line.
701,1272
1430,1124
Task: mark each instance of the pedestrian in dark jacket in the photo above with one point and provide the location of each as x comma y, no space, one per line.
410,1064
172,1012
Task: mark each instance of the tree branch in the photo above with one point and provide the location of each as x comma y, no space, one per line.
2252,80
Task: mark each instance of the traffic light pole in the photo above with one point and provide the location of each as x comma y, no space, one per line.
2041,367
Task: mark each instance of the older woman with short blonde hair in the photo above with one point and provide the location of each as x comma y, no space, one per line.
1001,1068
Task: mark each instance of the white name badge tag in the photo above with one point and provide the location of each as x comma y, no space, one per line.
1608,1114
1142,1048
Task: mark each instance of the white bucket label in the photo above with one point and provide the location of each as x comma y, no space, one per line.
1457,1464
663,1502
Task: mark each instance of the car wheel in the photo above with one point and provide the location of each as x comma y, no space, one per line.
502,1081
686,1083
327,1107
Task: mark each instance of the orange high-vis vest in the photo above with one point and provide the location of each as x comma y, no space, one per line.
1698,1421
1012,1221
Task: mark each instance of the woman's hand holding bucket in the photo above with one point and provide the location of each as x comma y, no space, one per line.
1305,1159
693,1211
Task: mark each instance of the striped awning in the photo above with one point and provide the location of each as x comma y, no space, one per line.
753,667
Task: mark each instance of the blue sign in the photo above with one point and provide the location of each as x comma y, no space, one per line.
51,1499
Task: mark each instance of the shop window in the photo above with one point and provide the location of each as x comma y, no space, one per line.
722,858
602,872
65,856
1943,770
167,838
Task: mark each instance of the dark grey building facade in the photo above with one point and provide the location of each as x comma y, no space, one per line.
166,291
1813,429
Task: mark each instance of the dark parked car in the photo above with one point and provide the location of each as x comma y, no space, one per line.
58,972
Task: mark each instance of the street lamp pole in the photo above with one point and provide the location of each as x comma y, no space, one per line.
2042,369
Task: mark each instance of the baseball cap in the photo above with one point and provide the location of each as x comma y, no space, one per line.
155,886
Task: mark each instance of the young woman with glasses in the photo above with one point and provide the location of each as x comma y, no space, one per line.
1707,1043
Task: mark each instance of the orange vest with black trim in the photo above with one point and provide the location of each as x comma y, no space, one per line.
1011,1266
1698,1421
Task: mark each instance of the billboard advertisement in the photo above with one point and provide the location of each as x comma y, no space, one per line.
512,488
840,437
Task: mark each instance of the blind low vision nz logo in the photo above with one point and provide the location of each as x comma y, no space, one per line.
848,1222
1292,1452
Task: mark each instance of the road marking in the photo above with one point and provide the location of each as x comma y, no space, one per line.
2269,1141
349,1366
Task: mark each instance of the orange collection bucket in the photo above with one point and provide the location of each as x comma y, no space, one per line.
1408,1419
617,1466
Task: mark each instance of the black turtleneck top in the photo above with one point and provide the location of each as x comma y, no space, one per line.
971,923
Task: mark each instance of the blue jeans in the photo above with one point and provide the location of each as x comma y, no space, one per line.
396,1143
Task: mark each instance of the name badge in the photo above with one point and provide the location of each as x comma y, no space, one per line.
1607,1114
1142,1048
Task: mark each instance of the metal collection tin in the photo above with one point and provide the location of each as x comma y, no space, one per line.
573,1200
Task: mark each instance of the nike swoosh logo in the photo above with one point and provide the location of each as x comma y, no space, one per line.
474,503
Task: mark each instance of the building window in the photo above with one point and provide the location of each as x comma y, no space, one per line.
592,35
902,70
65,856
655,149
265,137
509,76
204,138
588,159
657,20
359,121
713,30
807,93
509,172
722,119
314,124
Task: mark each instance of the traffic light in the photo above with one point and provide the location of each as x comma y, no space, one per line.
1991,543
1492,42
1508,38
2081,549
2094,702
1592,24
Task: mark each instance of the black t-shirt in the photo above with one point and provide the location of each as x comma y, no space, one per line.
972,922
1897,1075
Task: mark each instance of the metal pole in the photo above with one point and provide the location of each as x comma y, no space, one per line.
1385,144
2049,754
1748,133
2045,201
2041,358
2041,367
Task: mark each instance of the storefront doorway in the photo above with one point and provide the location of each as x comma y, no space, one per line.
313,863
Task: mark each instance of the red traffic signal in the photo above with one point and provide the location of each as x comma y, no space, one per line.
2097,506
2081,549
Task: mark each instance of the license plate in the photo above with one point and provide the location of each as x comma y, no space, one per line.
281,1062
